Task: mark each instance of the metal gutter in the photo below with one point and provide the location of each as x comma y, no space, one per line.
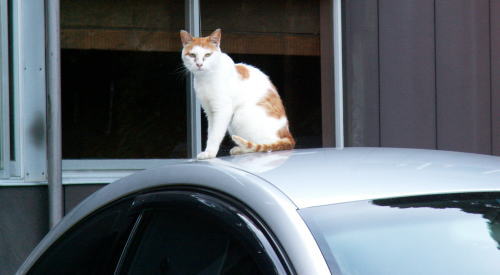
53,74
338,72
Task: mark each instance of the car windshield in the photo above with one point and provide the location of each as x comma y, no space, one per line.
444,234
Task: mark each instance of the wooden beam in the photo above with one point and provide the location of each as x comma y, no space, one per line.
145,40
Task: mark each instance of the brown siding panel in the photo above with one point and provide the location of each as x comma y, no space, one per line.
463,75
495,74
327,75
362,78
407,73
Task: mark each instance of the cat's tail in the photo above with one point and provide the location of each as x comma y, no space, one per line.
246,146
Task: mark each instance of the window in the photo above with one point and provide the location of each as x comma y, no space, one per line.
126,100
189,233
124,88
437,234
91,247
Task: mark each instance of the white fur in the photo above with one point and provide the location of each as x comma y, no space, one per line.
230,102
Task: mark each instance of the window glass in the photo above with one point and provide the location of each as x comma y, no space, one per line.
446,234
123,87
92,247
11,138
282,39
188,241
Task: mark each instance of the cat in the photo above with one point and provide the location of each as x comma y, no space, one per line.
236,98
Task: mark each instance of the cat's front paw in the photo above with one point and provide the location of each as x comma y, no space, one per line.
206,155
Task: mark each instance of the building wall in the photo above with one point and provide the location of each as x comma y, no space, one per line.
24,219
423,74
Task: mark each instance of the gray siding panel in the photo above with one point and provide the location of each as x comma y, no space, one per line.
74,194
463,75
407,73
362,77
495,74
327,74
23,223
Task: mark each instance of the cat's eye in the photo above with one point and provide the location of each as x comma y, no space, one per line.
208,55
192,55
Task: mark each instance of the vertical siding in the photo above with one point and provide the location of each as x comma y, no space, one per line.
362,77
327,74
463,75
407,73
423,73
495,74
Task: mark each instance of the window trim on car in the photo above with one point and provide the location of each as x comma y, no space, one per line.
155,199
121,225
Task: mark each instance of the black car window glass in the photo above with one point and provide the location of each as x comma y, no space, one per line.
189,241
442,234
89,248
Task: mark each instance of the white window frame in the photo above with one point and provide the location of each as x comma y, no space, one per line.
29,108
27,40
4,92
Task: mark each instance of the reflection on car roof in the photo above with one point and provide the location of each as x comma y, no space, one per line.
325,176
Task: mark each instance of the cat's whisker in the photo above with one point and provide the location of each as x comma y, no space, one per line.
180,72
180,69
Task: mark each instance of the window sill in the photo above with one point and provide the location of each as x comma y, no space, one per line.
76,177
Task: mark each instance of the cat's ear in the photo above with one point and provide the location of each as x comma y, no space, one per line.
186,38
215,37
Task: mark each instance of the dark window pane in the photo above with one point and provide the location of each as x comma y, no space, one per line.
128,105
11,84
188,241
123,87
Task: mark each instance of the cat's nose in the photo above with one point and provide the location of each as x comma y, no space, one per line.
199,65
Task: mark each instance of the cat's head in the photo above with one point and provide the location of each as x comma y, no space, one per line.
200,54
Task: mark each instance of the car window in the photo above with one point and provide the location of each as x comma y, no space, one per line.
439,234
197,239
91,247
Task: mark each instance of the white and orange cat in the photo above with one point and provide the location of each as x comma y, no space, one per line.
238,98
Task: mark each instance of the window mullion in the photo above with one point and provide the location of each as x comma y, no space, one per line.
193,24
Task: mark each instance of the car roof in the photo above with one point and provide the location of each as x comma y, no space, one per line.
276,184
314,177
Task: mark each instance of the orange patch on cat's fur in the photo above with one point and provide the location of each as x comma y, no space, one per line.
272,104
285,143
203,42
210,42
285,133
242,71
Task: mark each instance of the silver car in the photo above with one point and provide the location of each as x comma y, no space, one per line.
321,211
